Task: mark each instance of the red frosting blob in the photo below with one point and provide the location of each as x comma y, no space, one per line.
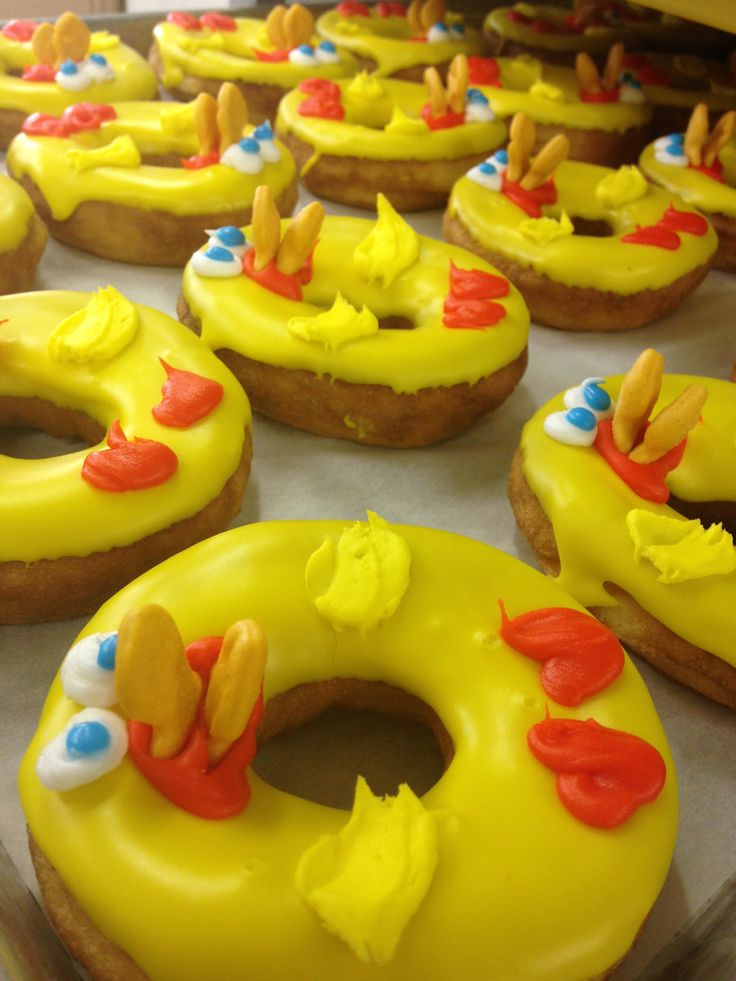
689,222
187,22
319,86
658,235
217,22
529,201
350,8
603,775
74,119
279,54
391,10
187,398
447,121
277,282
469,303
129,465
611,96
186,779
646,72
517,17
20,30
476,284
645,479
715,171
200,160
471,314
484,71
323,105
40,124
39,73
580,655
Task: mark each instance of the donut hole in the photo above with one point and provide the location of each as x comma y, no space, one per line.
34,429
396,323
593,227
707,512
317,738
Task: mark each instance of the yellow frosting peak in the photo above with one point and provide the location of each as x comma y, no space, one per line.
367,881
625,185
544,230
389,248
177,118
361,580
102,41
545,90
367,101
121,152
365,86
97,332
336,326
678,549
402,122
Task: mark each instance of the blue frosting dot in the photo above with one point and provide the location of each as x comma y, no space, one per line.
327,46
502,156
475,95
68,67
677,139
219,254
107,651
581,418
596,397
249,145
263,132
486,168
674,149
306,49
230,235
439,26
458,30
87,739
98,59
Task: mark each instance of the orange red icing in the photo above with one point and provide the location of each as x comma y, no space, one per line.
188,397
129,464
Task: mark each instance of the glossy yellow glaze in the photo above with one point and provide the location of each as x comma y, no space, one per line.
363,132
699,190
561,106
595,40
602,263
229,56
521,888
16,210
387,41
47,509
155,128
134,78
430,355
694,79
577,489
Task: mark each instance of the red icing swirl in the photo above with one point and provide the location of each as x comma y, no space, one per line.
447,121
580,655
390,10
603,775
129,464
271,278
714,171
645,479
214,21
187,779
529,201
39,73
660,236
81,116
20,30
187,22
611,96
324,99
469,304
689,222
351,8
200,161
484,71
187,398
277,55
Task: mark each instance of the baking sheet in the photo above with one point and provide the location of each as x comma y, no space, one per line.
460,486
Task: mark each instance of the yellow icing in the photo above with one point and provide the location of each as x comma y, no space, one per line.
47,509
596,40
16,211
600,262
338,325
694,80
360,580
699,190
97,332
54,169
406,360
229,56
625,185
121,152
521,885
366,882
134,78
680,550
545,230
386,41
389,248
577,489
386,124
550,95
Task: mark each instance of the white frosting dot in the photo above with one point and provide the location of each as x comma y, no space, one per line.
558,427
57,769
203,265
241,160
82,678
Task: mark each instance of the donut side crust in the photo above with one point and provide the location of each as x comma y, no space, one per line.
57,589
370,414
643,633
726,229
574,307
18,268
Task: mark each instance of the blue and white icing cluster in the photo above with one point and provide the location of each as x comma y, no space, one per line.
252,153
477,107
671,150
224,253
585,406
324,54
445,32
74,76
630,89
489,173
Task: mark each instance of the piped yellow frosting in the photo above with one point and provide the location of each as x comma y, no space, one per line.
680,550
16,211
97,332
698,189
390,247
339,325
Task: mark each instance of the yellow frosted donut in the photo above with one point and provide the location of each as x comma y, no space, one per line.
64,66
22,238
376,334
390,39
141,182
356,137
487,875
589,247
660,573
78,526
264,58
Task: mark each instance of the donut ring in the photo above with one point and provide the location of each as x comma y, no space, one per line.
116,181
685,628
22,238
317,357
590,248
439,642
132,77
67,543
365,136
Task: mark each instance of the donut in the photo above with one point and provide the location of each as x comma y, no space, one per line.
169,431
140,182
355,138
391,40
605,119
481,876
700,167
47,69
377,335
590,248
265,59
22,238
662,568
